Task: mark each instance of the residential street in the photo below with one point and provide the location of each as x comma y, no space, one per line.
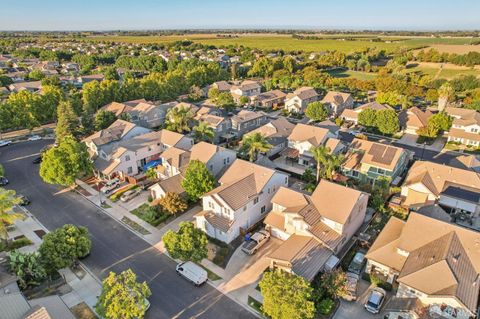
115,248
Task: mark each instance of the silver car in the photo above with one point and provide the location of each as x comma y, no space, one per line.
376,297
128,195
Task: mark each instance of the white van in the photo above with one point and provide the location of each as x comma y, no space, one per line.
192,272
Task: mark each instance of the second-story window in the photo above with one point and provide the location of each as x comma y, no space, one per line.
255,201
127,157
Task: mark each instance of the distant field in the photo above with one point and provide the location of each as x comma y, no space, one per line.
455,48
353,74
287,43
443,70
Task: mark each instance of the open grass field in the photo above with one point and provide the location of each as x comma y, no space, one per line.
454,48
352,74
443,70
287,43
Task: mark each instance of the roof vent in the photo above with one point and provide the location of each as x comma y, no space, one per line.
456,257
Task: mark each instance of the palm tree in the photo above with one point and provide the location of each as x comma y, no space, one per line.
255,143
7,201
321,155
334,162
178,119
203,132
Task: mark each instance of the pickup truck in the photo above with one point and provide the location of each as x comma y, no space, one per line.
352,282
257,240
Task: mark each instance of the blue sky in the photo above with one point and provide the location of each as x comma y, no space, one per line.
168,14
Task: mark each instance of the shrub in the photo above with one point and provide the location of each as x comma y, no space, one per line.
325,307
115,197
19,243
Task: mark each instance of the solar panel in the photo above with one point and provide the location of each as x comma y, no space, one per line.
377,150
387,157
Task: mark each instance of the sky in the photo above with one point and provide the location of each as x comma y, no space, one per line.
296,14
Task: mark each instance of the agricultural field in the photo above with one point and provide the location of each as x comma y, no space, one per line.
442,70
352,74
454,48
288,43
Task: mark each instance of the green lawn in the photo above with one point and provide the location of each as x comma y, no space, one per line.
445,73
287,43
352,74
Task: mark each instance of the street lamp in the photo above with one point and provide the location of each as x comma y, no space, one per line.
99,193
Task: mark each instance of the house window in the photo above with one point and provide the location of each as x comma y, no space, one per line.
129,170
474,130
262,210
255,201
245,208
224,161
354,173
211,167
286,180
127,157
228,159
380,171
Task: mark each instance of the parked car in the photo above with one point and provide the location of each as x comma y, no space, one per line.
128,195
256,241
352,282
37,160
110,185
5,143
34,138
357,263
3,181
192,272
24,201
376,297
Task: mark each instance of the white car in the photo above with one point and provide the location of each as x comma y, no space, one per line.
34,138
5,143
376,297
192,272
110,185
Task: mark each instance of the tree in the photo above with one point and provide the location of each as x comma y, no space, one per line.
111,73
63,164
179,119
63,246
36,75
195,93
198,180
67,121
244,100
188,243
286,296
333,284
368,117
225,100
27,267
2,170
203,132
321,155
387,121
122,297
253,144
316,111
173,203
151,174
213,93
104,119
436,124
7,201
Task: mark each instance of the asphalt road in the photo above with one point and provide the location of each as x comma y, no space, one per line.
114,248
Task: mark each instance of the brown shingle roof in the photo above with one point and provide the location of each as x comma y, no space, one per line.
375,154
218,221
315,135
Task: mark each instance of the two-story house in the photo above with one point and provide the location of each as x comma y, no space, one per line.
351,115
465,127
297,101
215,158
313,228
269,99
414,119
431,260
240,202
247,88
367,161
336,102
220,125
454,189
246,121
304,137
276,132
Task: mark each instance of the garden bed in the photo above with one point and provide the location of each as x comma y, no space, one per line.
135,226
82,311
153,215
15,244
223,252
211,275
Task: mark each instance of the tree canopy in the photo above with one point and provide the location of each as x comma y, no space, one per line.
253,144
387,121
104,119
316,111
198,180
188,243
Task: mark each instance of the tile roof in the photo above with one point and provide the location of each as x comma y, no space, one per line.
336,97
218,221
116,131
313,134
204,151
375,154
277,128
303,93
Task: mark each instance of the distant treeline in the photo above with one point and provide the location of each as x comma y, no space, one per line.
432,55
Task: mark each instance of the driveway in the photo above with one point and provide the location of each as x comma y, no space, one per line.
138,200
356,309
408,139
243,271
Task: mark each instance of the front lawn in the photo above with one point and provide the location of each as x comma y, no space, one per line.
154,215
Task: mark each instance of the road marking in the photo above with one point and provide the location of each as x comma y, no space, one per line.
22,157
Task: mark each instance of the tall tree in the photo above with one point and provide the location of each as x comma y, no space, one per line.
198,180
67,121
253,144
368,118
316,111
179,119
63,164
61,247
104,119
122,296
7,217
203,132
387,121
188,243
173,203
321,155
286,296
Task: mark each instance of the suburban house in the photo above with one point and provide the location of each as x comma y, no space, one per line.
170,185
102,142
413,119
304,137
367,161
215,158
246,121
351,115
240,202
173,162
222,86
276,132
336,102
247,88
465,127
33,86
297,101
432,260
269,99
454,189
315,227
220,125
